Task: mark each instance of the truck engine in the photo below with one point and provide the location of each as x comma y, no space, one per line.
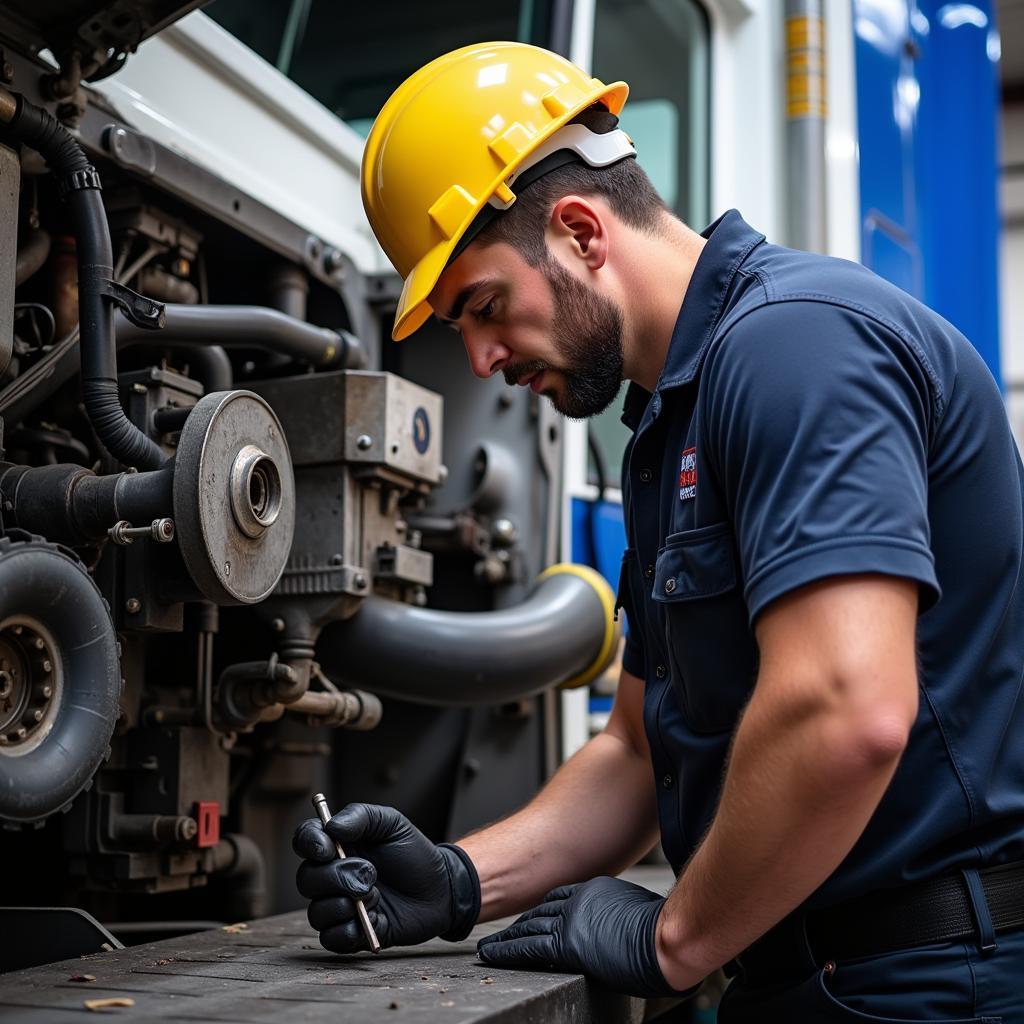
248,548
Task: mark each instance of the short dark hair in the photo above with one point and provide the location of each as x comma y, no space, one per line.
623,185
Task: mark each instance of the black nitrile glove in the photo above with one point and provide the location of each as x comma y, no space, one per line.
603,928
413,890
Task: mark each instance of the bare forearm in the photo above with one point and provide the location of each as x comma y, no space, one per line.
596,816
797,796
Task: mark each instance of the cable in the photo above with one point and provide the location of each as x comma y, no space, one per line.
38,307
23,385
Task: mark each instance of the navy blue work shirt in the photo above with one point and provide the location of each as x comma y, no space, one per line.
813,420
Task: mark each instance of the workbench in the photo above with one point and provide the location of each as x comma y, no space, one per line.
274,969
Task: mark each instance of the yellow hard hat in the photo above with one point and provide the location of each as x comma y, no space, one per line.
451,139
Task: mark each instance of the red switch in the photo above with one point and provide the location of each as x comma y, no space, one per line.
208,822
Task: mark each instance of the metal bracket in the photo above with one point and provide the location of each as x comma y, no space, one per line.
143,312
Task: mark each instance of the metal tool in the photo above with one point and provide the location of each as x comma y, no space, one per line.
320,803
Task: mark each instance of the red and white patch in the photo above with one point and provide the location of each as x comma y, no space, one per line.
688,474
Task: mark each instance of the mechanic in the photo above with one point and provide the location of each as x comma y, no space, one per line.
820,698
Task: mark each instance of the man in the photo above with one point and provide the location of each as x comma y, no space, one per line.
824,514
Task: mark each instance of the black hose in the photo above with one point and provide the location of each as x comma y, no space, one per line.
563,629
211,365
80,184
249,327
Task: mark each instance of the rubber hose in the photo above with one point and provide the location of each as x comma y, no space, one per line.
250,327
42,132
31,256
563,634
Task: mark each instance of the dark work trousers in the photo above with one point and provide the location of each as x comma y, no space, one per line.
940,984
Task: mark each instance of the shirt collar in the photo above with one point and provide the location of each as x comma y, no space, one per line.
730,241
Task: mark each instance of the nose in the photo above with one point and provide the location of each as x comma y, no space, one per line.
486,355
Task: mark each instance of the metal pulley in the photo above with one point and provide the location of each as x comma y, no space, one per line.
234,497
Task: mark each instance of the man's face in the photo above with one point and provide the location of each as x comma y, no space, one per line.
538,326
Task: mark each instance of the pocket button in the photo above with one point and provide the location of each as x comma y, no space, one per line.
661,671
670,585
667,781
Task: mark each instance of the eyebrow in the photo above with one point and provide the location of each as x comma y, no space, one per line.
464,295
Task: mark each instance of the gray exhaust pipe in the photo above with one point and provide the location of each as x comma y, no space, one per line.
563,634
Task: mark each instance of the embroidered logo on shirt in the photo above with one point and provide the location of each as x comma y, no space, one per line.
688,474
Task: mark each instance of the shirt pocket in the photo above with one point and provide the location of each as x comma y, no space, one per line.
713,654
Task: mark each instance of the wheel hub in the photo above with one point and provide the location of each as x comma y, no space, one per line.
29,685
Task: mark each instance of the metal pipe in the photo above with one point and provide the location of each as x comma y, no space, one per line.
563,633
352,709
195,328
31,256
289,290
237,857
248,327
211,365
805,125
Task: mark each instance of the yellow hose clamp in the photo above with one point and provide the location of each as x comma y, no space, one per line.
612,630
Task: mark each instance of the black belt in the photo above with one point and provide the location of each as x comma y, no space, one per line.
936,910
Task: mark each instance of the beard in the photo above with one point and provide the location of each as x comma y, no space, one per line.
588,336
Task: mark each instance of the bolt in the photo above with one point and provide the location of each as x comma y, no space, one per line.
363,442
187,828
3,739
333,261
139,389
505,532
360,581
38,644
336,560
46,665
162,530
21,732
227,568
277,625
7,72
133,606
37,715
47,692
6,684
18,630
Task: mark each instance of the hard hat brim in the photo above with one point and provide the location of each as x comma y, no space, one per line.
413,308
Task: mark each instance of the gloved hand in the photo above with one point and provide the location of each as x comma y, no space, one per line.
603,928
413,890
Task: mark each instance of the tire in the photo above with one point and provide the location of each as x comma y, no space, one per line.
53,614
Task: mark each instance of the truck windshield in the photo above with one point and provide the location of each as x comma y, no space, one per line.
352,56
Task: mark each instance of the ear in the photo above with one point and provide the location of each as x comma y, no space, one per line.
578,229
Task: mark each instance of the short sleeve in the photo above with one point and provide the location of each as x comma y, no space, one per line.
816,421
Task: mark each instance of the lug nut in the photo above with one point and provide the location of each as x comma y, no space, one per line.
132,606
